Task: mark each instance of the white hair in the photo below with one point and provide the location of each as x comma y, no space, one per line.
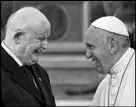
26,19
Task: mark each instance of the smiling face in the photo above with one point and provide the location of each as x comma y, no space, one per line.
30,45
97,49
27,31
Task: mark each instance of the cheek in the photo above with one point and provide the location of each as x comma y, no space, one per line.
21,49
33,47
104,50
104,55
29,49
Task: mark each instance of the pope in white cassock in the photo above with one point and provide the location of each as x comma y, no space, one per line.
108,45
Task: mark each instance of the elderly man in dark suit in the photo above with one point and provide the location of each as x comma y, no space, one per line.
23,81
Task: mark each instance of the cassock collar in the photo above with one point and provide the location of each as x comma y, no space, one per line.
122,62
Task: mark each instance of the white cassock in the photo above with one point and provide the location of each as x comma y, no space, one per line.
110,92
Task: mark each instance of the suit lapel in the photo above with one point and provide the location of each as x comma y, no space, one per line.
44,79
22,79
18,74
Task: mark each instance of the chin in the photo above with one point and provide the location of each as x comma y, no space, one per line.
34,59
105,71
30,62
101,70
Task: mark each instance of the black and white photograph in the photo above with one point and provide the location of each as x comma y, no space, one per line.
67,53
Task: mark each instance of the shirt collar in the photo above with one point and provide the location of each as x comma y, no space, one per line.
122,62
11,54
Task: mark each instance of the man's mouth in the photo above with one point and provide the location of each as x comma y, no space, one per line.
37,51
96,61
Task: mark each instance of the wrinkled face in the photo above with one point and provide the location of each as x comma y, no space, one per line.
97,49
30,46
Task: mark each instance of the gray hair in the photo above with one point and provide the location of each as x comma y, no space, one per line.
27,19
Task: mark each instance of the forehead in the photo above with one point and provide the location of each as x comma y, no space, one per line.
39,27
42,32
93,36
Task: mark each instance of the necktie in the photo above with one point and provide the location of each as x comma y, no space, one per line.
40,85
28,71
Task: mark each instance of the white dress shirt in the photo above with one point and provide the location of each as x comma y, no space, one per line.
110,92
11,54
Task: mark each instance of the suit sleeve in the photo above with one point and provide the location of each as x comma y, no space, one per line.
8,93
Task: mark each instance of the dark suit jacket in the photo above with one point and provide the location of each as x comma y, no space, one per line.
16,88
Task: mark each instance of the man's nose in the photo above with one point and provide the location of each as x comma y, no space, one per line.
44,45
88,55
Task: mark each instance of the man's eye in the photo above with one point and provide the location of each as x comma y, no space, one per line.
90,46
41,38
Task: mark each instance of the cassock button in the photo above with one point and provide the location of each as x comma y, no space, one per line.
113,85
112,102
114,76
113,94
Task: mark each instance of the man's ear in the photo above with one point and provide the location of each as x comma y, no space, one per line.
113,45
17,37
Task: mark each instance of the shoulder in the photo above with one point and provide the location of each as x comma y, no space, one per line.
131,66
133,60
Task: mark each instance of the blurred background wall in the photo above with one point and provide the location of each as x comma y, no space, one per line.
72,76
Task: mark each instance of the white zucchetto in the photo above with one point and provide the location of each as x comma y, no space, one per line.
111,24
